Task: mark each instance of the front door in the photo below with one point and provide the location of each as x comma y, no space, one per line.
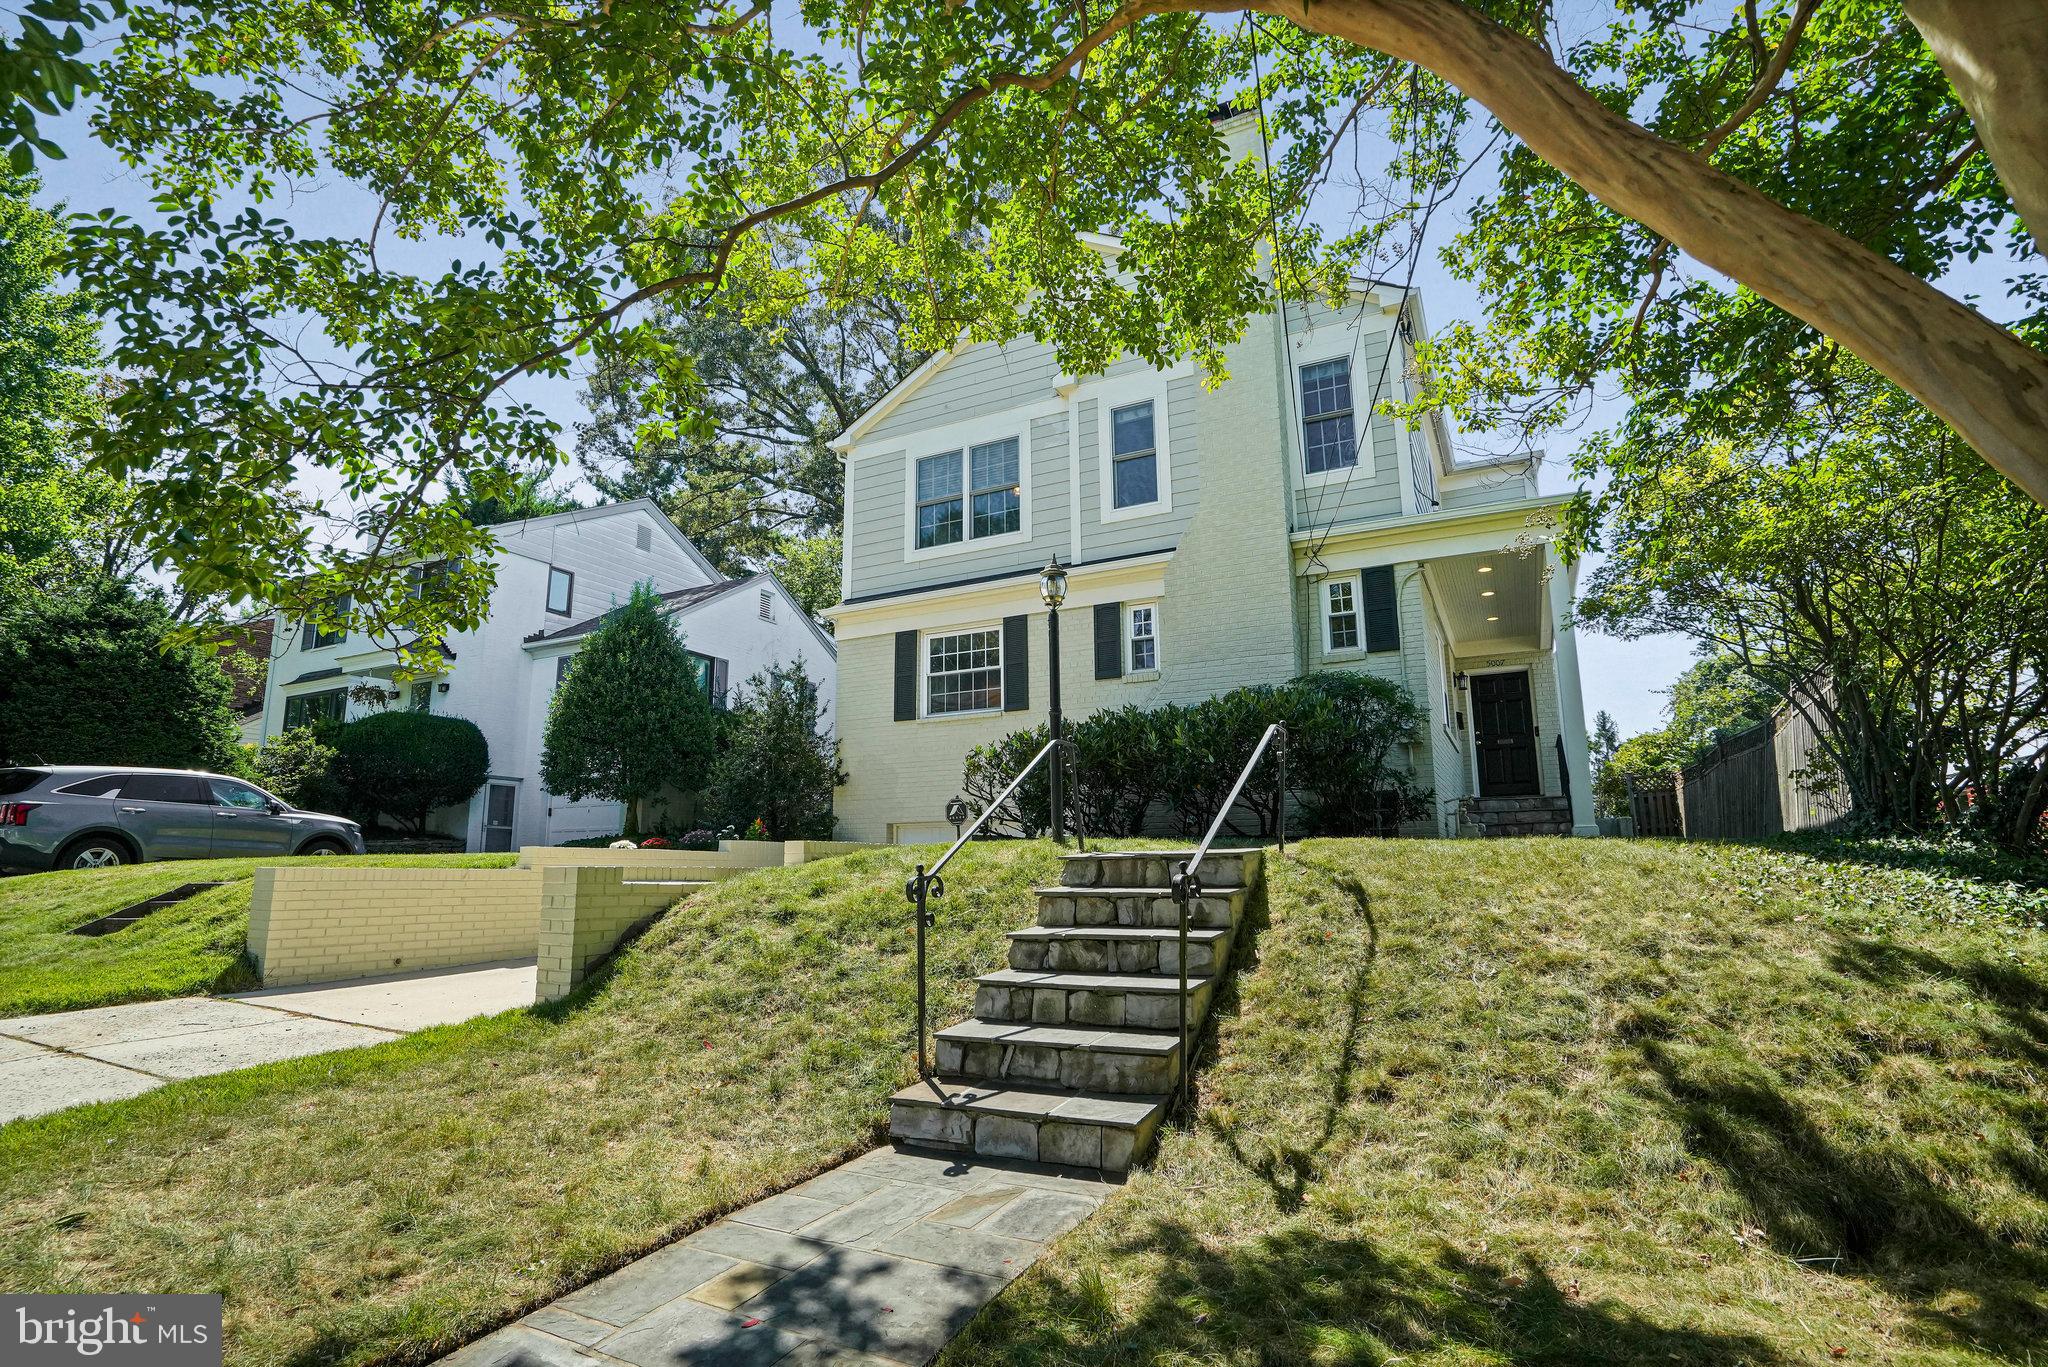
499,804
1504,729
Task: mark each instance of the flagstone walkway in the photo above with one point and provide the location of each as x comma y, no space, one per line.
878,1262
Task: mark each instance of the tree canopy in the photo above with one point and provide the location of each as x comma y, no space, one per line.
533,178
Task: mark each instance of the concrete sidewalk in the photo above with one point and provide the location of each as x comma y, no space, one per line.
72,1057
877,1263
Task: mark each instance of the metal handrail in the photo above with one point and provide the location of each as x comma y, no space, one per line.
926,884
1187,876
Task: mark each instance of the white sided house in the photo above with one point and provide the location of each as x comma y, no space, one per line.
556,578
1216,538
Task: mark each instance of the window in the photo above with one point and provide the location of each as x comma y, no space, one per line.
767,606
963,672
308,709
165,788
429,579
997,505
938,500
710,674
1340,620
1327,441
968,495
643,538
318,637
228,793
422,698
1134,457
106,785
561,591
562,664
1144,639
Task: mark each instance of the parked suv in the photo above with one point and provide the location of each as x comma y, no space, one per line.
69,816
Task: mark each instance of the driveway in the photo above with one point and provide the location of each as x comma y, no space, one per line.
72,1057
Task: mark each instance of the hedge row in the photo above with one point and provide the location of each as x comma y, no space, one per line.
1137,769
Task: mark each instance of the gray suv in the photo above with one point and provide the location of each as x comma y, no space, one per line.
70,816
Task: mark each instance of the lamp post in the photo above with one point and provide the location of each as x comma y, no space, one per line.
1052,587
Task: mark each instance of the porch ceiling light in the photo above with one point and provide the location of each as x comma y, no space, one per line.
1493,619
1486,593
1486,569
1052,583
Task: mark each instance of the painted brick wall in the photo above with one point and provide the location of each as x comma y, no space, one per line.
326,924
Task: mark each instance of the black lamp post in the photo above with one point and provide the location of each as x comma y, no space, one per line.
1052,587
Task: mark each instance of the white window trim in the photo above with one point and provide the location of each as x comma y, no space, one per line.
1361,431
924,672
962,438
1356,581
1130,612
1125,393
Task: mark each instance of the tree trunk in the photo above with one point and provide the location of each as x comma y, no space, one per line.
1995,53
1984,382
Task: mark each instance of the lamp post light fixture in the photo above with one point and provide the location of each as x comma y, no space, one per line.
1052,587
956,812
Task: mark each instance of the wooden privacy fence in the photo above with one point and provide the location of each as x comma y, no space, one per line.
1764,781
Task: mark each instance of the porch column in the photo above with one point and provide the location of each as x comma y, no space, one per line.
1571,703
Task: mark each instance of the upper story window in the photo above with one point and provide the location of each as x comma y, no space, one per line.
969,495
1144,637
1328,441
561,591
318,637
562,667
1340,615
1134,457
429,578
963,672
710,673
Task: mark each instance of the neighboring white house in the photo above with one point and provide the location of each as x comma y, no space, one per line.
1218,537
556,578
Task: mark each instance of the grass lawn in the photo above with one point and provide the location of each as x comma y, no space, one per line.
1592,1102
195,946
387,1204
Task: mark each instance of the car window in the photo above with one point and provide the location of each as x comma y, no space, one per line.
229,793
165,788
14,781
105,785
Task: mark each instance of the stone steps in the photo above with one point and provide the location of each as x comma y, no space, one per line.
1511,816
1074,1049
1119,1062
1115,949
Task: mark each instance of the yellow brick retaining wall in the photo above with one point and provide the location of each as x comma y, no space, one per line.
312,924
585,911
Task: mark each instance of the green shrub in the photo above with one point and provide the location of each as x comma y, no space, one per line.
778,763
1342,732
405,764
299,766
86,677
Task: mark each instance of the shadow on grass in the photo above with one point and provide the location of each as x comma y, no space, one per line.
1869,1211
1943,858
1290,1169
1300,1296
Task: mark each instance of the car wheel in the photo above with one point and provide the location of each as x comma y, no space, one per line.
324,847
94,852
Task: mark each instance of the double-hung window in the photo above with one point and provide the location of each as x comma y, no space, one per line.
1133,457
969,495
1144,635
1327,440
1340,614
318,637
963,672
561,591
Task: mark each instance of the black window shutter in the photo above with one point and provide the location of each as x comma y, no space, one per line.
1109,640
1016,664
906,676
1382,613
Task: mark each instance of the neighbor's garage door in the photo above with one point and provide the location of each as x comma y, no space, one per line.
580,820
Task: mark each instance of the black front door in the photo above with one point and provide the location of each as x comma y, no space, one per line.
1504,728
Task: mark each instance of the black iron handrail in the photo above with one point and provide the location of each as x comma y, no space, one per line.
1187,876
926,884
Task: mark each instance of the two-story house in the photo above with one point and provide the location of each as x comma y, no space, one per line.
1220,537
556,577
